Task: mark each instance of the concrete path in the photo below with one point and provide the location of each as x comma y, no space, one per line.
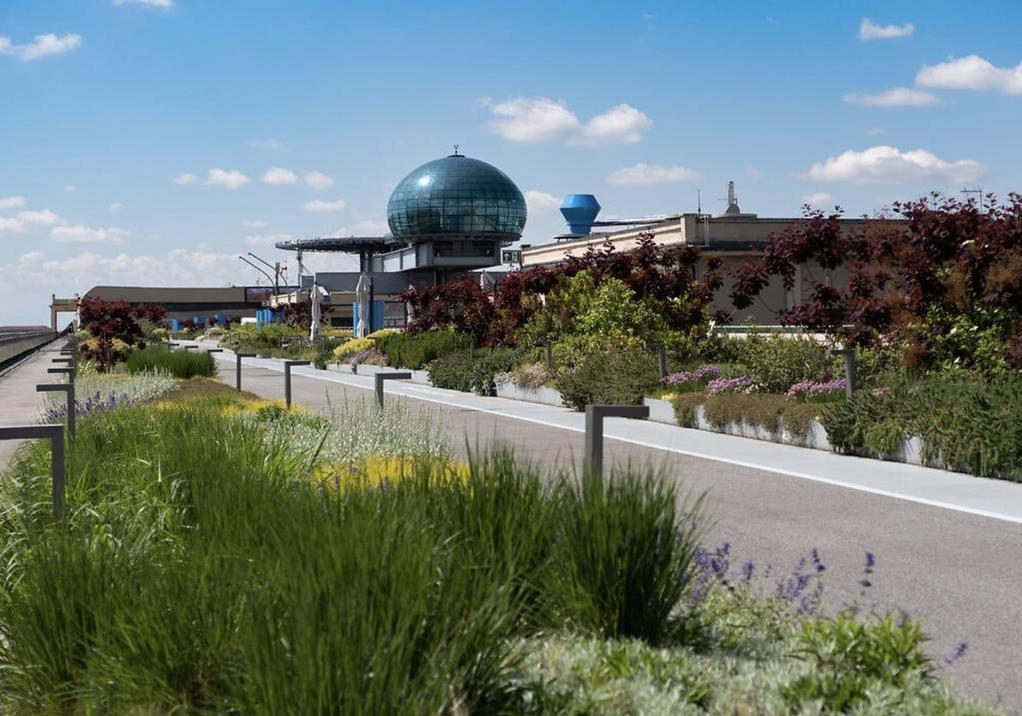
947,545
20,404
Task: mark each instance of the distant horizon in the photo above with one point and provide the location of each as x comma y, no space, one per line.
151,143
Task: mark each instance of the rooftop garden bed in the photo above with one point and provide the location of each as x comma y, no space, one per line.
222,553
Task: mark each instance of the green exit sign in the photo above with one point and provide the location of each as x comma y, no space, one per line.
511,256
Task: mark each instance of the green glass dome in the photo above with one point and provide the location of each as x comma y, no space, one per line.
456,195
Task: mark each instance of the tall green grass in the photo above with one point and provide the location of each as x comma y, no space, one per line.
180,364
200,568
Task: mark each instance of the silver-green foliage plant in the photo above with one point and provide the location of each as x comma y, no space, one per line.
105,391
355,431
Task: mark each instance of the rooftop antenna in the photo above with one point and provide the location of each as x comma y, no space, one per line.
979,191
455,151
700,216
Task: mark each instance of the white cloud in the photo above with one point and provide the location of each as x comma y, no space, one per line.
875,131
540,202
41,218
80,234
27,220
12,202
70,187
279,176
541,119
267,239
532,119
177,268
115,207
317,206
895,97
869,30
254,224
971,73
161,4
818,199
229,179
318,180
623,124
643,174
11,226
186,178
41,46
752,172
890,165
270,144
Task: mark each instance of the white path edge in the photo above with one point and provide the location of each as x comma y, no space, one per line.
994,499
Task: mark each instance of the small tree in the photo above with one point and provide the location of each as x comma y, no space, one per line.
944,280
114,328
664,279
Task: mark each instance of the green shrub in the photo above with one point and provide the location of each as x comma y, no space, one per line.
628,555
770,411
612,376
777,362
415,350
266,336
969,425
473,370
685,405
180,363
850,657
583,307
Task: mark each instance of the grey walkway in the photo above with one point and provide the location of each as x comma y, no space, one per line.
953,566
20,404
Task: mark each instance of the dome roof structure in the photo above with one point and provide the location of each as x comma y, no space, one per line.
456,195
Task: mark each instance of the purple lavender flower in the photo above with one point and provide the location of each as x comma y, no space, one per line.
809,390
700,375
748,570
871,561
738,384
803,588
957,653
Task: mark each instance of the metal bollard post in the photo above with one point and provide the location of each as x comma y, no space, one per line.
71,362
849,356
55,432
237,363
593,461
380,377
661,354
68,388
549,353
287,378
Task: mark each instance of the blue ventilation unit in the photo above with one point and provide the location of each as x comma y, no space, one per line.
580,211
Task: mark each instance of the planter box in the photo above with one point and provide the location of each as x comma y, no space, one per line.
660,411
910,451
815,437
543,394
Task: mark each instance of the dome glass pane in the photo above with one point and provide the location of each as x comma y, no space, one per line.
456,195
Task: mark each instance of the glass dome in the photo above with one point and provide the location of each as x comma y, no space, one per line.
456,195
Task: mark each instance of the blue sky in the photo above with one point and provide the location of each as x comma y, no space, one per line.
152,141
